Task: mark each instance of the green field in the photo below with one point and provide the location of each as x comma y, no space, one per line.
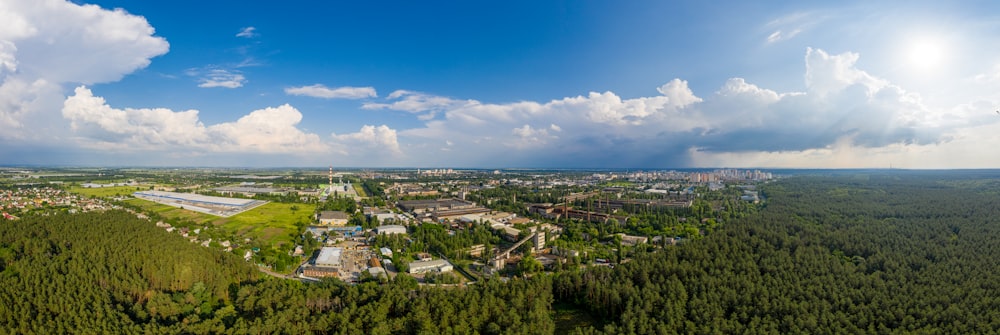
618,183
173,212
273,223
360,189
107,192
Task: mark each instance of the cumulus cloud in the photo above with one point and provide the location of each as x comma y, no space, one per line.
47,43
321,91
370,140
268,130
247,32
221,78
528,136
841,106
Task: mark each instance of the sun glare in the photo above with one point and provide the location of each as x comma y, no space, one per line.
925,54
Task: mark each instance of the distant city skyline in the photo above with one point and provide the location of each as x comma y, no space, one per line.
520,84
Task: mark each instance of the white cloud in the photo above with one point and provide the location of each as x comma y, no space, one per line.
222,78
678,93
964,150
419,103
791,25
779,35
528,136
269,130
842,107
370,140
47,43
832,73
321,91
247,32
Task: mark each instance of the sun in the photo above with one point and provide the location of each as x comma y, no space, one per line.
925,53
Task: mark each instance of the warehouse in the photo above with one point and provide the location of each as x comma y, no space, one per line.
219,206
329,257
390,229
438,265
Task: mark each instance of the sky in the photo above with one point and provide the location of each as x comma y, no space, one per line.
511,84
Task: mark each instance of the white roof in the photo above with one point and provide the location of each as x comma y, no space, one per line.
192,197
428,264
329,256
391,228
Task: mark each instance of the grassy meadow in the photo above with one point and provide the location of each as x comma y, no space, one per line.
107,192
273,223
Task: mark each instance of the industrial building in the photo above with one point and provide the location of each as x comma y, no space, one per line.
424,206
249,190
219,206
329,257
390,229
438,265
333,218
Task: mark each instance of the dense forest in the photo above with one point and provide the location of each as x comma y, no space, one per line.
880,253
114,273
909,253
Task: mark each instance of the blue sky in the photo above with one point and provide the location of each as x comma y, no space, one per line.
644,84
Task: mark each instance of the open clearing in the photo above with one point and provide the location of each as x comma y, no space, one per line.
273,223
107,192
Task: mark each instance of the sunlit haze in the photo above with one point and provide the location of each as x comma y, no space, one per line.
648,84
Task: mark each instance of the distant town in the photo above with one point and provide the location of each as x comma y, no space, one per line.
439,226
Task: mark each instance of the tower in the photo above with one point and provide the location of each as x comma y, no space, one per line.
331,178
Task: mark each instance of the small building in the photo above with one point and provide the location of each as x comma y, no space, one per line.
390,229
377,272
385,251
539,240
477,250
630,240
424,257
320,272
438,265
335,232
565,252
333,218
509,233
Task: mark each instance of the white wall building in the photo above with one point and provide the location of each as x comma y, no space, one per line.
438,265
